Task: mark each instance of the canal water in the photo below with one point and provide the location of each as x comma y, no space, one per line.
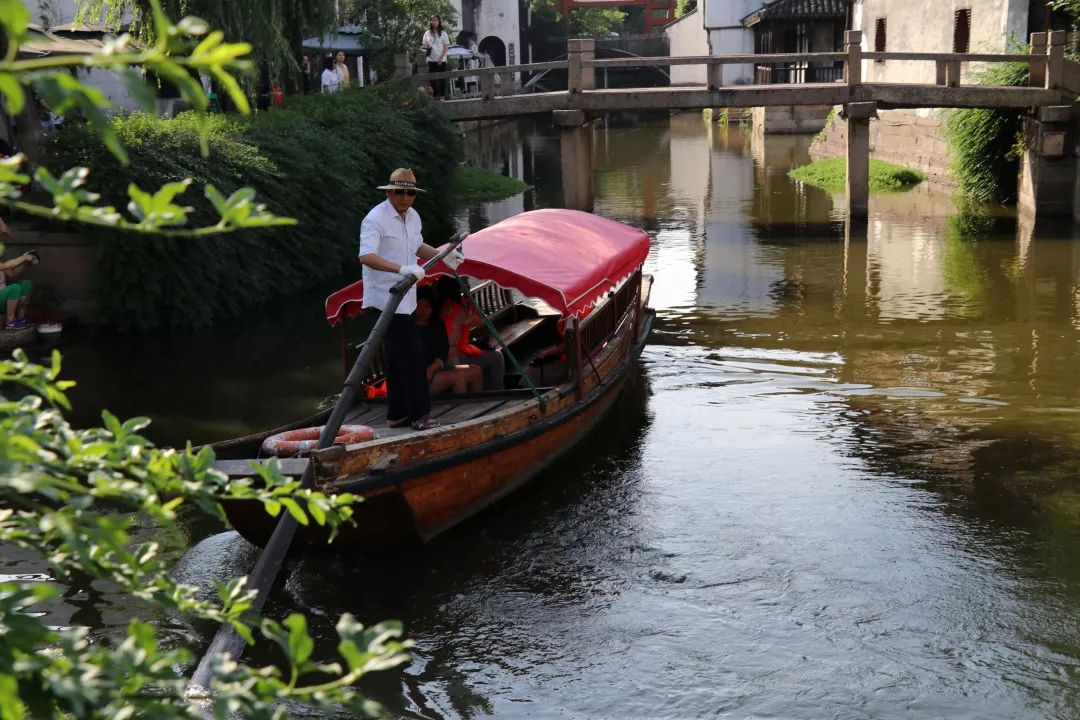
843,484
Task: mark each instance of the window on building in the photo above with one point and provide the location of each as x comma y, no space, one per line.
961,42
659,13
879,35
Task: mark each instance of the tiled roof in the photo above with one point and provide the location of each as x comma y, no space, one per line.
798,10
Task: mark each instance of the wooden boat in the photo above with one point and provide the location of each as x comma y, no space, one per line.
557,280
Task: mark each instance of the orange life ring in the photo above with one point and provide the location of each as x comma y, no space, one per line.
294,442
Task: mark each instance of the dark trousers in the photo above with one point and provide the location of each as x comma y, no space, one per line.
406,379
438,87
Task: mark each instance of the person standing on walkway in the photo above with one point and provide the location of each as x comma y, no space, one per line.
331,78
390,242
437,44
342,68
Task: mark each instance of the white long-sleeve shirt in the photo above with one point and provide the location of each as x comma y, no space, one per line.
394,238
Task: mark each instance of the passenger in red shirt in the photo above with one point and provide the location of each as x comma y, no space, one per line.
459,321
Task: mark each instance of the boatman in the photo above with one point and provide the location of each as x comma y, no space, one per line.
390,242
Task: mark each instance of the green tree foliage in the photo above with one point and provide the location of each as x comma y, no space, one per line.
274,28
983,142
593,22
584,22
1070,6
396,26
71,497
200,51
547,8
162,282
684,6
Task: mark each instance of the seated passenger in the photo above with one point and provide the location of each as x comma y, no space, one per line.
459,321
441,375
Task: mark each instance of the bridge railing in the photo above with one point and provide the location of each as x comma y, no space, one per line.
490,81
1048,67
798,74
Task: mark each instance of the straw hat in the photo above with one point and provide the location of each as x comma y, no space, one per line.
401,179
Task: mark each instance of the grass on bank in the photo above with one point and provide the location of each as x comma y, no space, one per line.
829,175
476,185
986,144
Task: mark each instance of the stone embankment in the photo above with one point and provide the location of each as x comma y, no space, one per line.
912,139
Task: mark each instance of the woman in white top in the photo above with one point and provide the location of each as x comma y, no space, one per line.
331,78
437,44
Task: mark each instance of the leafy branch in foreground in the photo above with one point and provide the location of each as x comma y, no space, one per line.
74,499
71,497
180,53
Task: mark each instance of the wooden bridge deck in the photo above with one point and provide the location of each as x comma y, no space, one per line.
886,95
1053,80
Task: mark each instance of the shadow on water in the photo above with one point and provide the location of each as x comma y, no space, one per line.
269,368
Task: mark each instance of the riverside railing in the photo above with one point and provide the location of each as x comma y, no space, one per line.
1049,68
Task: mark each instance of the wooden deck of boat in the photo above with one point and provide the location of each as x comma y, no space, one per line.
447,411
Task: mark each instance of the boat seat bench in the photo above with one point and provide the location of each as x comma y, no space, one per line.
516,331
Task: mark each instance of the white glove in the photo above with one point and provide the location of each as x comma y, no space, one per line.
415,270
453,259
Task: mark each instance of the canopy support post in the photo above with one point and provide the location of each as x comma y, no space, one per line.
579,381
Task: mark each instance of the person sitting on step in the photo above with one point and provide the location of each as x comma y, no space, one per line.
15,293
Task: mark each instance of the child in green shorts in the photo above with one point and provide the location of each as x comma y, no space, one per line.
15,293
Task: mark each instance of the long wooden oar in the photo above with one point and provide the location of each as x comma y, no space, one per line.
262,576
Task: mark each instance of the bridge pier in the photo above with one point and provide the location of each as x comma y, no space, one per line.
1048,186
857,180
576,154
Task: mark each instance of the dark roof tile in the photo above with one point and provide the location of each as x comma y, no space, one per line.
798,10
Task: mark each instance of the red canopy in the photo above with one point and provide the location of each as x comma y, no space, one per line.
567,258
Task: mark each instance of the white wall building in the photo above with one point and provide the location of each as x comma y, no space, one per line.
686,37
728,36
982,26
714,28
495,27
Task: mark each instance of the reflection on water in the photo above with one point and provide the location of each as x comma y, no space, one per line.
864,435
844,484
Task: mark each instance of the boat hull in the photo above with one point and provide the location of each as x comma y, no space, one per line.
416,504
418,485
434,491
